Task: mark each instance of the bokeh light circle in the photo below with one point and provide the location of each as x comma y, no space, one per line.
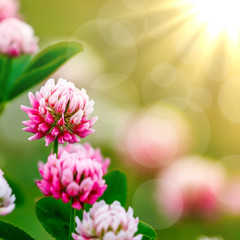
200,96
135,5
156,25
188,44
79,69
230,195
115,33
198,122
148,205
163,75
217,68
157,140
116,105
105,55
229,99
164,81
154,138
194,177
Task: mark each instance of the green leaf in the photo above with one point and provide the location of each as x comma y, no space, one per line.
19,64
54,215
116,188
5,71
16,191
43,65
147,231
10,232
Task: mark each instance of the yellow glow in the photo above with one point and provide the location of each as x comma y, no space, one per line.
218,15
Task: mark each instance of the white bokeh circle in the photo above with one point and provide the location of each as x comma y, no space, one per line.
164,81
115,33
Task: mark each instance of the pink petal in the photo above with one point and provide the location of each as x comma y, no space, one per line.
61,122
43,127
49,139
36,136
34,102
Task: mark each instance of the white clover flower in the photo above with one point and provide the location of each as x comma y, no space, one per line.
107,222
6,197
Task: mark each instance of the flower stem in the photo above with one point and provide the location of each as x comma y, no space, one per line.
55,147
72,221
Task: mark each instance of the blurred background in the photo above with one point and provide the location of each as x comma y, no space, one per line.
164,75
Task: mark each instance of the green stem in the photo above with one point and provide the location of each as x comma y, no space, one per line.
55,147
72,221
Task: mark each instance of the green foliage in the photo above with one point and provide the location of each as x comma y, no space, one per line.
147,231
54,215
116,188
10,232
5,70
19,74
16,191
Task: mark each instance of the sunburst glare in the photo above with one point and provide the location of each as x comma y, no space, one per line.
218,15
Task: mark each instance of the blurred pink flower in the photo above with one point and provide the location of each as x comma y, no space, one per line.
8,9
59,111
6,197
72,177
17,37
154,141
86,151
197,183
107,222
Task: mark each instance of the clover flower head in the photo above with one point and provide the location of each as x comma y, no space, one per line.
72,177
17,37
6,197
197,183
59,111
8,9
87,151
107,222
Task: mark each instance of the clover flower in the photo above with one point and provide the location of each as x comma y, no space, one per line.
107,222
17,37
59,111
72,177
6,197
8,9
197,182
87,151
